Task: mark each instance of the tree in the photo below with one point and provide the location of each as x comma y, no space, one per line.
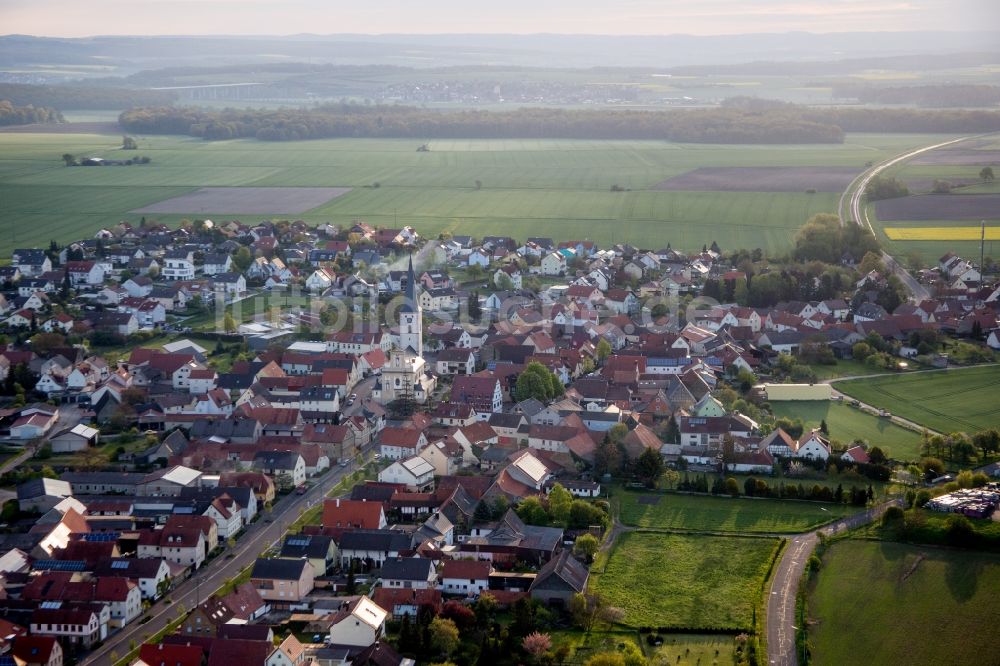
475,310
560,501
128,143
538,382
531,511
877,456
228,323
986,173
485,609
732,487
463,616
444,636
586,547
872,261
479,184
649,467
603,350
242,259
536,644
70,160
584,608
503,282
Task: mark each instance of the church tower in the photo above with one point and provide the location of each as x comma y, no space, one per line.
411,324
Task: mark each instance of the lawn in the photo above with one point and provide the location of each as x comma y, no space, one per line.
945,401
678,580
671,511
683,649
842,368
558,188
903,604
847,424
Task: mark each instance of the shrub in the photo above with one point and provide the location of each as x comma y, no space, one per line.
893,514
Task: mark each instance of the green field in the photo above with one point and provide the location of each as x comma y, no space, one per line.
724,514
676,580
847,424
947,401
966,178
558,188
887,603
682,649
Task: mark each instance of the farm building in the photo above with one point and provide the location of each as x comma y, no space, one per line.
778,392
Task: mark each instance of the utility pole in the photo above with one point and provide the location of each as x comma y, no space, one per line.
982,251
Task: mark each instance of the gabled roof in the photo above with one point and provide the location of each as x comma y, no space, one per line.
566,569
278,569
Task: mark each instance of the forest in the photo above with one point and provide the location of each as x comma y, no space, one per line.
26,115
739,122
951,95
352,120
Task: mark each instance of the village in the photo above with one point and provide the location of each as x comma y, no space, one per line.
439,422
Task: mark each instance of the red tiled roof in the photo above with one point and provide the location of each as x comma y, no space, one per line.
171,655
471,569
351,513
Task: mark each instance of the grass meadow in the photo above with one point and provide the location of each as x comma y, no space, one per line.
846,424
887,603
677,580
671,511
946,401
557,188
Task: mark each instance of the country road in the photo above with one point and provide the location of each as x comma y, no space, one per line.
859,213
781,627
905,423
259,536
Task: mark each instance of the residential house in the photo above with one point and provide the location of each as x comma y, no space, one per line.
358,623
353,514
411,573
465,577
282,581
559,580
416,473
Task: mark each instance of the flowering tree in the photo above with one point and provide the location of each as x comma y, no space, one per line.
536,644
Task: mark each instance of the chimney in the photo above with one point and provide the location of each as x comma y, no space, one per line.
338,502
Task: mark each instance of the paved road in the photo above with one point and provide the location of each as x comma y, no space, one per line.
258,537
11,463
363,389
859,214
781,619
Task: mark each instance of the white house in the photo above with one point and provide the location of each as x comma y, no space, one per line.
398,443
554,263
178,265
465,577
415,472
358,623
812,445
320,280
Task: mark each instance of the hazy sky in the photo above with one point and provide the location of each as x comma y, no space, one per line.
76,18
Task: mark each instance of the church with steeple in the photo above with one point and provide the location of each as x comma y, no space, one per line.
406,376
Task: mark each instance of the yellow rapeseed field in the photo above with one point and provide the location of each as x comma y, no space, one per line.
940,233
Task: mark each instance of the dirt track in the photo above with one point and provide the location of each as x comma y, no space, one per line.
761,179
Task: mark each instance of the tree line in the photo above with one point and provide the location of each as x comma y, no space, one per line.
82,97
27,115
949,95
722,125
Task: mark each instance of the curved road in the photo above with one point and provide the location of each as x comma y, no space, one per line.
781,618
859,213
